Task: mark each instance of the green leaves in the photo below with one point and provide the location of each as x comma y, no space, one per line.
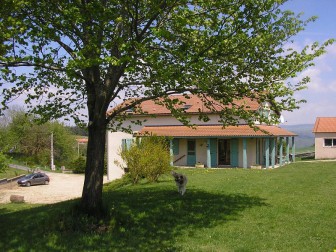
148,158
99,51
4,162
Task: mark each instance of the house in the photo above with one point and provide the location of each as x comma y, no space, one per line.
325,137
207,143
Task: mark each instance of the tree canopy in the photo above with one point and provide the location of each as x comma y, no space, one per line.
67,55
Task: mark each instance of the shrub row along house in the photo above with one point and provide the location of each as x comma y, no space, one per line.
207,143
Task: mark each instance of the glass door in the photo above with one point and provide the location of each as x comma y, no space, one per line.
223,151
191,153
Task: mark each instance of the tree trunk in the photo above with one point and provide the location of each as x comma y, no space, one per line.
91,202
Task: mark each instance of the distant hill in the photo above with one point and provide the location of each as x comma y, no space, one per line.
305,136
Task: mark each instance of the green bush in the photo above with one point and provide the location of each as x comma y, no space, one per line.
4,162
78,165
148,158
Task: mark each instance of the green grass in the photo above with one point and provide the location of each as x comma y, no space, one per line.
306,149
10,173
286,209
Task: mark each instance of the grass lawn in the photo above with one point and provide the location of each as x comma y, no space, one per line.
288,209
10,173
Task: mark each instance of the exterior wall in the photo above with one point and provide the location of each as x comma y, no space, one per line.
250,152
168,120
201,152
322,152
114,142
182,151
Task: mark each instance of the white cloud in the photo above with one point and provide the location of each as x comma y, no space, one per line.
321,89
332,86
308,112
322,78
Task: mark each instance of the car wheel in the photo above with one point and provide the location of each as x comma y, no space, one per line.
46,182
28,183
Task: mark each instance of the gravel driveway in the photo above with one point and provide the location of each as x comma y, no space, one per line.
61,187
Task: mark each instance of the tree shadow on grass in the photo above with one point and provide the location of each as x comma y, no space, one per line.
142,219
153,220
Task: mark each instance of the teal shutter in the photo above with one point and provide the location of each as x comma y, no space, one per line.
176,148
234,152
213,152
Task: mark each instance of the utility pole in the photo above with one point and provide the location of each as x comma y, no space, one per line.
52,166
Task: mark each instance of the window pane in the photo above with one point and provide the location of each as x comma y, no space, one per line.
191,147
334,142
328,142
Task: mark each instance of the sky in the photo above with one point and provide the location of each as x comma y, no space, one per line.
321,92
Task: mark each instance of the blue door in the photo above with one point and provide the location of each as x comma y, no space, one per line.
234,152
191,152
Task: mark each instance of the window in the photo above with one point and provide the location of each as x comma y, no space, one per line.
330,142
191,147
186,107
126,144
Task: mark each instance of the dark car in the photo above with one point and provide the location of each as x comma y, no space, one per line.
34,179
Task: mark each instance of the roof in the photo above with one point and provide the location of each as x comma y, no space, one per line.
216,130
192,104
325,125
82,140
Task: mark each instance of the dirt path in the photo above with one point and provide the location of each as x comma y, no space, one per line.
61,187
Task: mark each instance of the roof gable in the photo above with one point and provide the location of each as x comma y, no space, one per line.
325,125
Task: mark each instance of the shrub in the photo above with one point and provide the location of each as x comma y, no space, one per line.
4,162
148,158
78,165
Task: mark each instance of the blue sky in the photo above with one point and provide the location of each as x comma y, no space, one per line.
321,92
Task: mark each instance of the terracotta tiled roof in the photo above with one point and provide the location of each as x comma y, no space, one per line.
192,105
82,140
215,130
325,125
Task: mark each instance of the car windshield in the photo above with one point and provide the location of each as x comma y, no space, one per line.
29,176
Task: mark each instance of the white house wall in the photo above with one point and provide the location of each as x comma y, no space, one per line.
182,152
164,120
114,142
250,152
322,152
201,152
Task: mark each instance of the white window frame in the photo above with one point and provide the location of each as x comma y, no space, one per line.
333,142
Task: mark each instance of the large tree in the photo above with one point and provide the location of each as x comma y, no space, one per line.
91,53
